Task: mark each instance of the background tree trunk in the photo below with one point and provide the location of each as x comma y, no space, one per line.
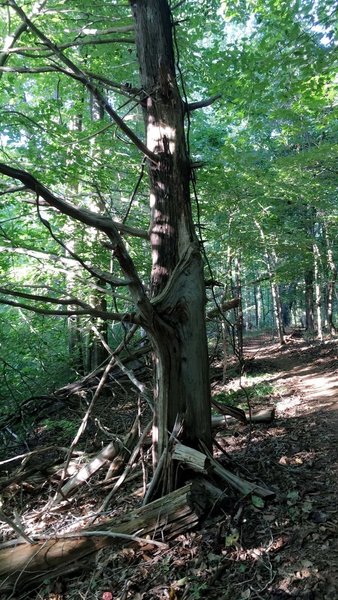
309,308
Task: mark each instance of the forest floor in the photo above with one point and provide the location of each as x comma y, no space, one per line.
285,548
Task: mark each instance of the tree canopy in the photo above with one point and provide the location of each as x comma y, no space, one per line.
258,80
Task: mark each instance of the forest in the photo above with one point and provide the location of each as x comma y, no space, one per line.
168,299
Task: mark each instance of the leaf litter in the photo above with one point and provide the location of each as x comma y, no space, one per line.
286,548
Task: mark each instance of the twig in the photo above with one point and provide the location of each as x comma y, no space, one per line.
129,466
16,527
112,534
84,422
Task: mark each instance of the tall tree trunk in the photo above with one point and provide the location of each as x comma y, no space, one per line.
318,293
277,311
258,300
98,332
271,260
178,330
331,284
239,310
76,338
309,305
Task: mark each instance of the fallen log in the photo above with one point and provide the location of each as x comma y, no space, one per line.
265,415
27,565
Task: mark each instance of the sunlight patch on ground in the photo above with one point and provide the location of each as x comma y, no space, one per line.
323,386
288,403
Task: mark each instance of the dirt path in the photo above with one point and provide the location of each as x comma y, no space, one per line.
302,449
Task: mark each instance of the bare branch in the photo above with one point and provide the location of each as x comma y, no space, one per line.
122,88
107,316
102,223
37,254
12,39
225,306
202,103
79,74
121,29
12,190
24,49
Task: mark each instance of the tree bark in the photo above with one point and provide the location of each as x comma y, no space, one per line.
318,292
178,330
271,260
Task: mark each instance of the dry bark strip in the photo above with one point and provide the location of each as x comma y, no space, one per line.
116,453
205,463
27,565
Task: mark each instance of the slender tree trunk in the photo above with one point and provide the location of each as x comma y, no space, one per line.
318,293
178,333
239,310
309,304
98,333
331,284
256,303
271,260
277,311
76,337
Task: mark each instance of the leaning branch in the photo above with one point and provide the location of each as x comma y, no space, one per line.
12,39
121,29
121,87
224,307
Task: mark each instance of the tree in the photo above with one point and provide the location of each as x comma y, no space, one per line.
174,315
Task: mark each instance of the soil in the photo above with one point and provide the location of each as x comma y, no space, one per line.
285,548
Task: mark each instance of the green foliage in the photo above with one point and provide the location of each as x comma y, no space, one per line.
269,145
33,355
249,390
63,430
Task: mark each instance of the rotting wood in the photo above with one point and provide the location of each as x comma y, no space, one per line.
232,411
128,468
116,453
204,462
165,518
106,455
242,485
128,445
191,458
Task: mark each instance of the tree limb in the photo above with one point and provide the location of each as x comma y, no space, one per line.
121,29
12,39
125,317
224,307
102,223
101,99
24,49
202,103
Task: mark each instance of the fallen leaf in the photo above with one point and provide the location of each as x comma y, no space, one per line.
257,501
